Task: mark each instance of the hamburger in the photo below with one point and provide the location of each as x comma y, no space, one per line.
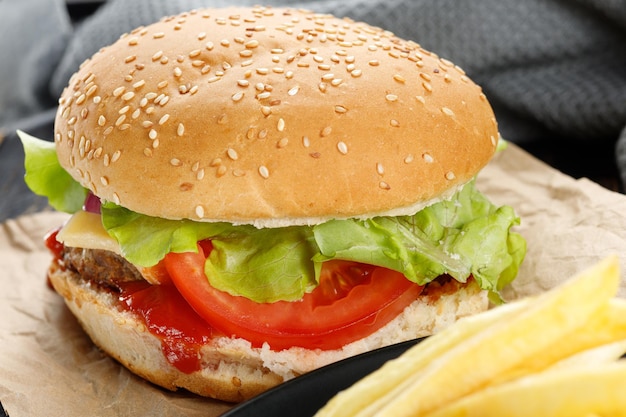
258,192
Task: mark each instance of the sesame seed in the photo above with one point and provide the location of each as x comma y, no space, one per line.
408,159
391,97
221,171
120,120
128,96
158,35
200,174
162,85
266,110
237,96
447,111
399,78
175,162
252,44
243,83
81,99
380,169
104,180
421,99
293,91
394,123
326,131
425,76
374,62
305,141
342,147
450,175
155,143
427,158
147,124
322,87
194,53
493,140
356,73
116,155
118,91
340,109
232,154
101,120
264,172
282,143
164,119
116,199
383,185
152,134
280,125
180,130
177,72
108,130
199,211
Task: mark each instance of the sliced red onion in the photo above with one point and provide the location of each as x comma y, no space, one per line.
92,204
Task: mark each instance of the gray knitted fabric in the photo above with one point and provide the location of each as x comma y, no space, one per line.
551,68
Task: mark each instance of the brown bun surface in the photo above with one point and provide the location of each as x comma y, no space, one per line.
272,117
232,369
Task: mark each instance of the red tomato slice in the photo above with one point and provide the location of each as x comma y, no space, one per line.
352,301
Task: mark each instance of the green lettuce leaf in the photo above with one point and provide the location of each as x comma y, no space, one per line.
265,265
45,176
461,236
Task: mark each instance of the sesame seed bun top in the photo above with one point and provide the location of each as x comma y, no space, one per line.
271,117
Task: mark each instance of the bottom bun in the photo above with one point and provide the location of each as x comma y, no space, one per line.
232,370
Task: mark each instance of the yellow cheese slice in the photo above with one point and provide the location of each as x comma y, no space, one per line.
85,230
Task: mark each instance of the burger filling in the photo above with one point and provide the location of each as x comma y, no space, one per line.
316,286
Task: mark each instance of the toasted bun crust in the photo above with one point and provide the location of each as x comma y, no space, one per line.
233,370
271,117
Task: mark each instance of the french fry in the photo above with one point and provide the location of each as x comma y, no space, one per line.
577,392
387,381
504,344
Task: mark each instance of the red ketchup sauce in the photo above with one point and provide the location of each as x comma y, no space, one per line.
164,312
169,317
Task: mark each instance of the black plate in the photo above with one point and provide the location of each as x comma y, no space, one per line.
305,395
